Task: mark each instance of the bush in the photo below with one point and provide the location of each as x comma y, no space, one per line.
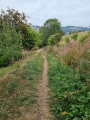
82,39
71,58
10,45
74,36
31,38
55,38
84,66
67,40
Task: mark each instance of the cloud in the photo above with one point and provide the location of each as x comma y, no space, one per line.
69,12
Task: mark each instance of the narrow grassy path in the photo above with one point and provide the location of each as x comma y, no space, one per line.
43,107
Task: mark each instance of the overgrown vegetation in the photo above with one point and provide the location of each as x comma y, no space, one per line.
18,90
10,45
70,94
54,39
75,37
15,35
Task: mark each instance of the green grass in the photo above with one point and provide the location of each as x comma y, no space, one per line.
70,97
4,71
19,90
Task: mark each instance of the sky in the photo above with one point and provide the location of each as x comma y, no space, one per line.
68,12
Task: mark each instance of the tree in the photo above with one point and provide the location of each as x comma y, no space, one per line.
51,26
31,38
10,45
13,18
19,22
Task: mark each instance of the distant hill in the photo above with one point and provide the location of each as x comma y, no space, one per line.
69,29
36,28
66,29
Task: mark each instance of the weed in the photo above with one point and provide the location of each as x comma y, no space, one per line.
67,40
70,96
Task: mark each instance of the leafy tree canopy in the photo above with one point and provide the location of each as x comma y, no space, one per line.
51,26
13,18
17,20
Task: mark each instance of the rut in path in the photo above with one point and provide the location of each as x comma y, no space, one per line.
43,108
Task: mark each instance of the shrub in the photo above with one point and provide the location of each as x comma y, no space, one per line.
67,40
50,27
83,70
10,45
55,38
71,58
74,36
82,39
32,38
84,66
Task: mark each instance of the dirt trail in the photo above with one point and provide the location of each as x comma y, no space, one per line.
43,108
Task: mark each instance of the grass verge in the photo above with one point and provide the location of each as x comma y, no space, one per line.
16,65
70,97
18,90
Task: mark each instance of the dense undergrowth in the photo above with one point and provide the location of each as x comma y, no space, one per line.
70,99
18,90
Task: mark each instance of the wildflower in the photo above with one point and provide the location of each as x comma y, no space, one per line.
66,92
77,91
71,96
5,76
9,98
22,82
55,99
64,113
14,95
65,98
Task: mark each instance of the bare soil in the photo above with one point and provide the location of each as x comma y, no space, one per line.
43,107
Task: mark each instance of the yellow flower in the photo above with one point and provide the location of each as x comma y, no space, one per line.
64,113
77,91
5,76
